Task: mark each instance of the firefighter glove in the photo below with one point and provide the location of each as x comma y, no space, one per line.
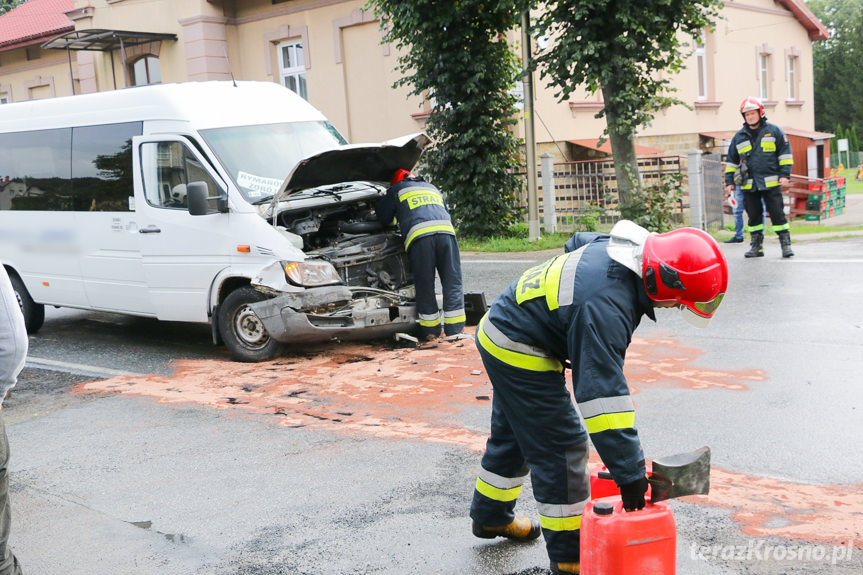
633,494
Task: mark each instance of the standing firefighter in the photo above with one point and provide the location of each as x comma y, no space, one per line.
430,244
578,310
760,159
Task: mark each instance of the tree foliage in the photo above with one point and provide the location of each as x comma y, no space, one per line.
6,5
837,72
627,49
456,53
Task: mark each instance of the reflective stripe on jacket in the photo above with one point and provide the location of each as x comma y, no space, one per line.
581,307
419,208
767,154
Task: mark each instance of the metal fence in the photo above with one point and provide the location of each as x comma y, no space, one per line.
588,189
706,190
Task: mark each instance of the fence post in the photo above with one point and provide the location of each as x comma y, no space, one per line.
549,215
695,174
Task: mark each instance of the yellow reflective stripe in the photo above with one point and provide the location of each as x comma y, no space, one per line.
747,186
428,230
730,169
560,523
757,228
496,493
421,197
552,282
744,147
771,184
455,319
514,358
606,421
429,322
789,162
531,284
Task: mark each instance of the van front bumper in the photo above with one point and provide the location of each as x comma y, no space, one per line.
335,313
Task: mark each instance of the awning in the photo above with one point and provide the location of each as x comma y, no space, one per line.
103,40
815,136
606,147
718,135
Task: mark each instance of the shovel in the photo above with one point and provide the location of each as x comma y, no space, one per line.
680,475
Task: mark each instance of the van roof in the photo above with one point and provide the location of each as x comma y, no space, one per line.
202,104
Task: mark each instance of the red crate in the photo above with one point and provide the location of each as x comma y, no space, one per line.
818,187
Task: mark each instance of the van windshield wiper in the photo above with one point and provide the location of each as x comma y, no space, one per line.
263,200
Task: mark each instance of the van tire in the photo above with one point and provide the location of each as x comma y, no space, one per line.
34,313
242,331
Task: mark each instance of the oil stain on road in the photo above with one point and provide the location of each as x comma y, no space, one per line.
421,394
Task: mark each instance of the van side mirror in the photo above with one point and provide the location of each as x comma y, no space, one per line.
197,199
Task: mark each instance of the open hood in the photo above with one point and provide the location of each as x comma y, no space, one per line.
355,163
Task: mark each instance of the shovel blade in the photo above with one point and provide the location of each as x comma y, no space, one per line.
681,475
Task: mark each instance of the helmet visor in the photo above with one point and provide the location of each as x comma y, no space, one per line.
699,314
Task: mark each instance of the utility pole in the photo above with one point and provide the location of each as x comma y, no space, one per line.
529,136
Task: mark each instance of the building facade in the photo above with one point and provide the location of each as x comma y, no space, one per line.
331,53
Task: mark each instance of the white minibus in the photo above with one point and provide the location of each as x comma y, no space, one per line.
235,204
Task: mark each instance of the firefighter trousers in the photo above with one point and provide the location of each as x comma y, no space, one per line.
535,429
427,254
755,211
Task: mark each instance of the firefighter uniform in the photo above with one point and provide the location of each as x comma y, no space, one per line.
577,310
767,155
431,245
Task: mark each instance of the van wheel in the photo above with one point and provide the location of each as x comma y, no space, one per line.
34,313
242,331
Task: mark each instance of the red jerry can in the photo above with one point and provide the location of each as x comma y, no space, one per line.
602,484
618,542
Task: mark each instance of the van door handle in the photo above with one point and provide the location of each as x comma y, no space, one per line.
150,230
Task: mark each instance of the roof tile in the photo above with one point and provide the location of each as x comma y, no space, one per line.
35,19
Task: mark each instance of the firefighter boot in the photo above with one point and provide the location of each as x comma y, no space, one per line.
756,251
521,529
565,568
785,242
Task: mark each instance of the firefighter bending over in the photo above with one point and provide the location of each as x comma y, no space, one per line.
431,245
581,307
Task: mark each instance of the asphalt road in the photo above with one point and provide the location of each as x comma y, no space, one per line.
138,448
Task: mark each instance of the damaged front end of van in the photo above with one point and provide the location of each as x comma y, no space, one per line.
355,281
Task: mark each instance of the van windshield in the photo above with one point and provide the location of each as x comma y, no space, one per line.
260,157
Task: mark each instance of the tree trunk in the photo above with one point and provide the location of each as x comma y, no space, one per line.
625,160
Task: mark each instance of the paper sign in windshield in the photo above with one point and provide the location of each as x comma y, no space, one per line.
258,185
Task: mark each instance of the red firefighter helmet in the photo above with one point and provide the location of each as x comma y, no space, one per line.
400,175
749,104
685,266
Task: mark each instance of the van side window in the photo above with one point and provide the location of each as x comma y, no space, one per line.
82,169
168,167
102,167
34,170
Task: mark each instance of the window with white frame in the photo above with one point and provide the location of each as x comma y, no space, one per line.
764,75
292,67
701,65
146,70
792,76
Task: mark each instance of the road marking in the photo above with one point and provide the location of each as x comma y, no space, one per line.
470,261
77,368
835,261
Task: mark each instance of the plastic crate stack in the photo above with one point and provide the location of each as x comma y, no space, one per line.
825,200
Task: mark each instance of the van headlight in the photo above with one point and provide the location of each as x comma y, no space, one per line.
311,273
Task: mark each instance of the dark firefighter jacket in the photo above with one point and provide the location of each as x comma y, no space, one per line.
581,307
766,152
419,208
